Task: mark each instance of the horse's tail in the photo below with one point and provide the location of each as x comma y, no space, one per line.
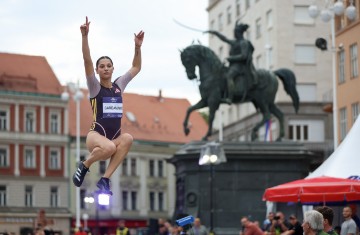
289,81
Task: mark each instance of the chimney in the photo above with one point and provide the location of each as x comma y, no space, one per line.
160,97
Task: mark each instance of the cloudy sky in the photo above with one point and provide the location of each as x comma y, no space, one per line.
50,28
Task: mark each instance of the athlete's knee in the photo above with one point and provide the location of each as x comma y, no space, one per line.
109,148
126,139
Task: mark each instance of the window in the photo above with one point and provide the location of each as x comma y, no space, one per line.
354,60
247,4
161,201
248,34
269,19
221,53
151,168
29,121
4,120
161,168
54,123
228,13
307,92
124,200
4,157
212,25
341,55
306,130
258,28
301,15
54,197
29,158
304,54
258,61
54,161
343,124
133,200
102,167
220,22
152,201
133,166
355,111
124,167
238,8
28,196
3,195
299,132
270,57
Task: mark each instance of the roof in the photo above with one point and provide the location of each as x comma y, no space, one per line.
147,118
27,73
344,161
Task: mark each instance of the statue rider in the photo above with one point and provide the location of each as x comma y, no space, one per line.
240,60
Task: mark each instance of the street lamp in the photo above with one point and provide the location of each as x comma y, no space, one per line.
85,217
77,97
102,199
211,154
326,15
88,200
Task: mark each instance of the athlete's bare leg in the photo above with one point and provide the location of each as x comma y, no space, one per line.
123,144
100,148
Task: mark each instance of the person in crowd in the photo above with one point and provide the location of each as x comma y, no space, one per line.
198,228
295,226
355,217
162,230
348,227
328,215
122,229
279,224
169,227
267,222
250,228
313,223
105,140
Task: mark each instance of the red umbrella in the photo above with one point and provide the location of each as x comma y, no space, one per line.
318,189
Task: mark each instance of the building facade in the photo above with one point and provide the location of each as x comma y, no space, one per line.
33,157
347,45
283,35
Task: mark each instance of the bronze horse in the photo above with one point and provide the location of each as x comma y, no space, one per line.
213,88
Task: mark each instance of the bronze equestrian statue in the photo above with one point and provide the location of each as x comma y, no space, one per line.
241,66
238,83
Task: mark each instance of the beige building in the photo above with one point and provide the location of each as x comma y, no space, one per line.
33,162
283,35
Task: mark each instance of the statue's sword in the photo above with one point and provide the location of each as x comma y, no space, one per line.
188,27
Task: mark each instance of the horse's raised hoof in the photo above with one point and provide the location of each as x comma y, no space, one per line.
186,131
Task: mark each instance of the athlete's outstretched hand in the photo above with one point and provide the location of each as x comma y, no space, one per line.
84,28
139,38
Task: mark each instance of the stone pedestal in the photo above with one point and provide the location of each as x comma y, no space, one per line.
238,184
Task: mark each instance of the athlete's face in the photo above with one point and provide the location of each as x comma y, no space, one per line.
105,68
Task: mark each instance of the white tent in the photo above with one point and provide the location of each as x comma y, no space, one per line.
344,162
